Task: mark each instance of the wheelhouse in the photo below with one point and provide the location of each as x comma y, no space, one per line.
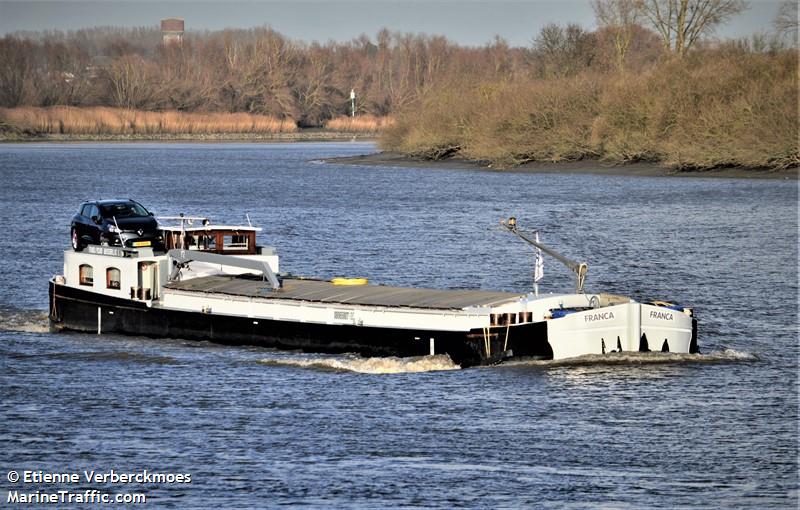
233,241
221,239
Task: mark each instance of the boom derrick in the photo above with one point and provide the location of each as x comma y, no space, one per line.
579,268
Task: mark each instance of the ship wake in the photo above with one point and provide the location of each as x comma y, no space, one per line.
24,321
354,363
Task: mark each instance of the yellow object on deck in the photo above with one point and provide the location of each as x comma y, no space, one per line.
349,281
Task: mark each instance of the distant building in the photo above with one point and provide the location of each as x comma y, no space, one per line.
172,31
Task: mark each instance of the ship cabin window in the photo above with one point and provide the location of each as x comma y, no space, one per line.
503,319
112,278
234,242
85,275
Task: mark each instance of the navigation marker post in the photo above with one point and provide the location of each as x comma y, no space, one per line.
353,102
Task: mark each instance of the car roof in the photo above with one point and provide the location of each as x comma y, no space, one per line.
111,201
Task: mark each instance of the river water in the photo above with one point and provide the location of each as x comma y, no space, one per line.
262,428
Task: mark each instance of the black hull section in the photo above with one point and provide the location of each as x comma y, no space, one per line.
77,309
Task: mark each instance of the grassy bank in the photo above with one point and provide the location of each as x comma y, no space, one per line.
710,110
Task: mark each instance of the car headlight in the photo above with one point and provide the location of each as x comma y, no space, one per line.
114,229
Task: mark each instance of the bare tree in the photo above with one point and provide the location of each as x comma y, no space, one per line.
621,17
681,23
312,90
786,22
563,51
16,64
269,70
130,81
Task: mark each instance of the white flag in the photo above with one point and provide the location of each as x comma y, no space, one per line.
538,271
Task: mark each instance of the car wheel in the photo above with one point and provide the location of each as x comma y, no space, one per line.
77,245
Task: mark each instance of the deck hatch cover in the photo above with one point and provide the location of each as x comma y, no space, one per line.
326,292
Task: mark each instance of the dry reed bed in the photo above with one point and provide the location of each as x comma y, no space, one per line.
359,124
102,121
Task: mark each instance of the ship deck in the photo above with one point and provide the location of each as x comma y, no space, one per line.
320,291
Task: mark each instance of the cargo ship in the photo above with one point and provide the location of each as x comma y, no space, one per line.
215,283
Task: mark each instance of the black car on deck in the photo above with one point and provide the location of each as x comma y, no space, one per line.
114,223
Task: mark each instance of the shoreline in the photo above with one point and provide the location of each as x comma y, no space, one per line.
591,167
310,135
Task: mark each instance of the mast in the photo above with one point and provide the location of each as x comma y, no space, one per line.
579,268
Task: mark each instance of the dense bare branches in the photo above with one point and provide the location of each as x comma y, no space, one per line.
130,82
563,51
261,71
267,74
681,23
786,22
313,91
255,70
15,67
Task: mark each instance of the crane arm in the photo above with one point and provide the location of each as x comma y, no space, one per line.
579,268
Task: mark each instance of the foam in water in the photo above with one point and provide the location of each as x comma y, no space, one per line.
24,321
642,358
731,355
352,363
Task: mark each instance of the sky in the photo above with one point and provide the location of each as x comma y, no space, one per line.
467,22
